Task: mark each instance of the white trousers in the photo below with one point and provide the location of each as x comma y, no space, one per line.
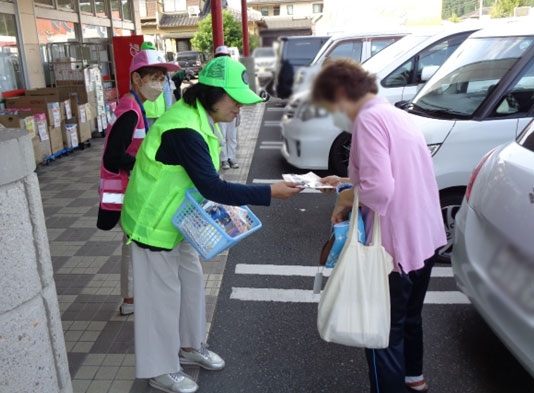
126,270
170,307
229,145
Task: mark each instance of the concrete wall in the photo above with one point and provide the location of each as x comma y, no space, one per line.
32,347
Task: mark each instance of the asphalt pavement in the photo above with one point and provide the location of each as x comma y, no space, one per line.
265,318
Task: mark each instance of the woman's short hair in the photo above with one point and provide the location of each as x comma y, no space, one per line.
207,95
144,71
343,76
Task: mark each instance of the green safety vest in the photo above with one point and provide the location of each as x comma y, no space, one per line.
155,190
155,109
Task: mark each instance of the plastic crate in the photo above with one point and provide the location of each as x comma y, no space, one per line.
204,234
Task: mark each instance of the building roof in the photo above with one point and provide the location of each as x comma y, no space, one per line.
184,20
178,20
285,23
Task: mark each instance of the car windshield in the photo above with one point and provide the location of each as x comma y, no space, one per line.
389,54
469,76
264,52
186,56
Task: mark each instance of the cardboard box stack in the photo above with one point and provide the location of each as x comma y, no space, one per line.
36,125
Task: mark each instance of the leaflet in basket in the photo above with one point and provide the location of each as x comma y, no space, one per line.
233,219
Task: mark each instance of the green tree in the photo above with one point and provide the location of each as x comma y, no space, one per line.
454,18
203,38
505,8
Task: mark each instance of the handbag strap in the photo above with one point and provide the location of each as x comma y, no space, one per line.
377,233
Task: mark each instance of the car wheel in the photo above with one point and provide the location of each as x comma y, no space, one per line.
450,204
338,161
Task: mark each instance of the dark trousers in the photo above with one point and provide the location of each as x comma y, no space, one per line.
404,356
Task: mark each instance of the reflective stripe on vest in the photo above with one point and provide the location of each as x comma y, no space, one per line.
113,185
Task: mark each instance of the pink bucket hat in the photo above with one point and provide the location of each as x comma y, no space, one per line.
151,58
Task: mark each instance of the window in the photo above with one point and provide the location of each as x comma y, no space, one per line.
115,9
264,11
519,99
378,44
276,10
461,86
526,139
126,10
86,6
65,4
100,8
410,72
290,9
10,64
347,49
317,8
45,2
174,5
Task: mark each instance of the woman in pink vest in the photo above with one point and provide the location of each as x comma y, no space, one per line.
148,72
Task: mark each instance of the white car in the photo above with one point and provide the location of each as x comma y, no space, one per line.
264,62
356,46
493,257
482,97
312,141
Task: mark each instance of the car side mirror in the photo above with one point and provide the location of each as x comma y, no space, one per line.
427,72
404,104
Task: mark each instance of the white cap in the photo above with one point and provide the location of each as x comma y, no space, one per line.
222,51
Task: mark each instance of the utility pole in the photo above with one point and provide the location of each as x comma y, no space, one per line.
217,23
480,10
244,22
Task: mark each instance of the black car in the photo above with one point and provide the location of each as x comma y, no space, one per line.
293,53
191,60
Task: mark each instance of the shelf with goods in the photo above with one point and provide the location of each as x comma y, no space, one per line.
85,70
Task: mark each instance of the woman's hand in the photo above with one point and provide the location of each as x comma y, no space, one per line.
284,190
333,181
343,206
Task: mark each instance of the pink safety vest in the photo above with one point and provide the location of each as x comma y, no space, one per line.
113,185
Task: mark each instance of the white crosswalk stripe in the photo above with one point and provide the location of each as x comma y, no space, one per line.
271,123
271,145
307,296
275,109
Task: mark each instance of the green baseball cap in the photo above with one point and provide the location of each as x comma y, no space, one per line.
232,76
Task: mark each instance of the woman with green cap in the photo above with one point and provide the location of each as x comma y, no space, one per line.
181,151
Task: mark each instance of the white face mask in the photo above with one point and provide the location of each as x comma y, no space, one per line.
151,90
342,121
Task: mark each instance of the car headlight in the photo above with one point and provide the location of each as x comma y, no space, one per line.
309,111
434,148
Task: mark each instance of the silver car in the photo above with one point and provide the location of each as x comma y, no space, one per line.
493,256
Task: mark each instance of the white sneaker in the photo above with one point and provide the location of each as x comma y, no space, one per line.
127,309
204,358
174,383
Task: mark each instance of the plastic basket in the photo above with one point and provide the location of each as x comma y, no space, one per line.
204,234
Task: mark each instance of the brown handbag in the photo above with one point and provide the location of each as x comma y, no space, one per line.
325,251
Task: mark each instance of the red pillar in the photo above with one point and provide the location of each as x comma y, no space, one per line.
217,23
244,22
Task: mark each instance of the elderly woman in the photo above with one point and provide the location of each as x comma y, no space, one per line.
391,169
181,151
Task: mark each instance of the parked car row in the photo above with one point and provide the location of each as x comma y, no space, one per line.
312,141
